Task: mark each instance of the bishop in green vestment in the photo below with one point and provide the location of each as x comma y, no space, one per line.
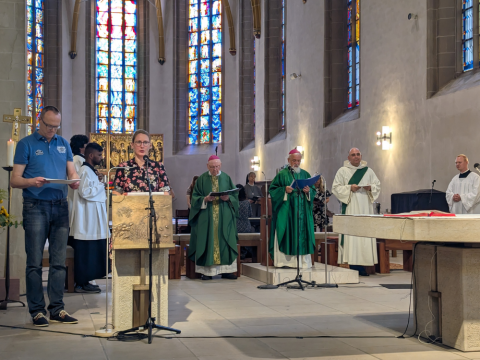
214,237
285,233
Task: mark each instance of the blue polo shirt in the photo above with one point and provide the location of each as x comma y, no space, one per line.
46,159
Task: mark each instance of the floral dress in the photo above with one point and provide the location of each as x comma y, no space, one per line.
319,217
135,179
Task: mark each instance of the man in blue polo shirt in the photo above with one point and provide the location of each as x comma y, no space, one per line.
42,155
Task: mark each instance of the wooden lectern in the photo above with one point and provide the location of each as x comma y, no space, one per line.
130,259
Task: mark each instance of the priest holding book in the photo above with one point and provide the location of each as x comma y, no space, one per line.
213,219
287,230
357,187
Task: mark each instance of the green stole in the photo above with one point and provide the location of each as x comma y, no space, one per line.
354,180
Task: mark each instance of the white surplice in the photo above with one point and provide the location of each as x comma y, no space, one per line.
356,250
88,219
78,161
468,189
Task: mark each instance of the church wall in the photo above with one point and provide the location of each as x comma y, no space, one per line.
12,95
73,105
427,134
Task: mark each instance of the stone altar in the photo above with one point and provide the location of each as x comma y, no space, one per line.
447,270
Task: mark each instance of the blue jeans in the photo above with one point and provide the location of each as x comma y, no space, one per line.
44,219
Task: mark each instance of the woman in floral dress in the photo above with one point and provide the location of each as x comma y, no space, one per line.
319,204
135,179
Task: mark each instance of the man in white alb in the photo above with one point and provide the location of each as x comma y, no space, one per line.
463,190
357,187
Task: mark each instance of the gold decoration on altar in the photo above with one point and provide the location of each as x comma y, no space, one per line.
130,221
17,120
117,148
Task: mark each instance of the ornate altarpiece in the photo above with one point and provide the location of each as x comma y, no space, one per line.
118,149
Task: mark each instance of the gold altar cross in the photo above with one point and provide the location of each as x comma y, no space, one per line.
17,119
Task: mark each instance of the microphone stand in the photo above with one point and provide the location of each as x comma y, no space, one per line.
298,278
267,285
431,191
105,331
150,324
326,284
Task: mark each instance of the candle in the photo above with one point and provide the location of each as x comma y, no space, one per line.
10,152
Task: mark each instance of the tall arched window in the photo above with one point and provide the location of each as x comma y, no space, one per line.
353,50
467,34
35,59
116,66
205,71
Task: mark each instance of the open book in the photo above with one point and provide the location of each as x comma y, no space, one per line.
301,183
423,213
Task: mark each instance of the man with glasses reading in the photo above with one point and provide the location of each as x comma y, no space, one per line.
44,154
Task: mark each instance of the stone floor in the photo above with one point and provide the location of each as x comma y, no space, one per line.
225,319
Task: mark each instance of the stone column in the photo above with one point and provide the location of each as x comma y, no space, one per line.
12,95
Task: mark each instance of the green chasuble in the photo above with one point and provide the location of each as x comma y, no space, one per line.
284,216
213,239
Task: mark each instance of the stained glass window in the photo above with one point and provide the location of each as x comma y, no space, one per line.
283,65
205,71
35,59
467,34
353,50
116,66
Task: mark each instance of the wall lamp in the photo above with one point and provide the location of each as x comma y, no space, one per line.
255,163
301,149
384,138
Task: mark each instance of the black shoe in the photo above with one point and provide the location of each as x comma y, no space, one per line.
205,277
87,289
63,317
230,276
91,288
40,320
363,273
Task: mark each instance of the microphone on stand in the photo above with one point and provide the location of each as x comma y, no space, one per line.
431,190
477,167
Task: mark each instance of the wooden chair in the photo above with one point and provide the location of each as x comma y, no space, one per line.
180,214
332,244
190,268
69,263
252,240
383,266
174,263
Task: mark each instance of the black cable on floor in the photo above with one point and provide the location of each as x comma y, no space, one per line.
140,336
413,284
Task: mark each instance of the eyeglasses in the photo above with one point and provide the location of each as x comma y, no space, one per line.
140,143
50,127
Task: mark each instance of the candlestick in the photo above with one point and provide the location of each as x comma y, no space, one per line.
10,152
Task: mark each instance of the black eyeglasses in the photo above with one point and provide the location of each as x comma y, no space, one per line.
50,127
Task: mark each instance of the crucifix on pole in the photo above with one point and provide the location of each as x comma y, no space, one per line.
17,119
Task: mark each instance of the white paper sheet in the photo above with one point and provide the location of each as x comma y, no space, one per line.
61,181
